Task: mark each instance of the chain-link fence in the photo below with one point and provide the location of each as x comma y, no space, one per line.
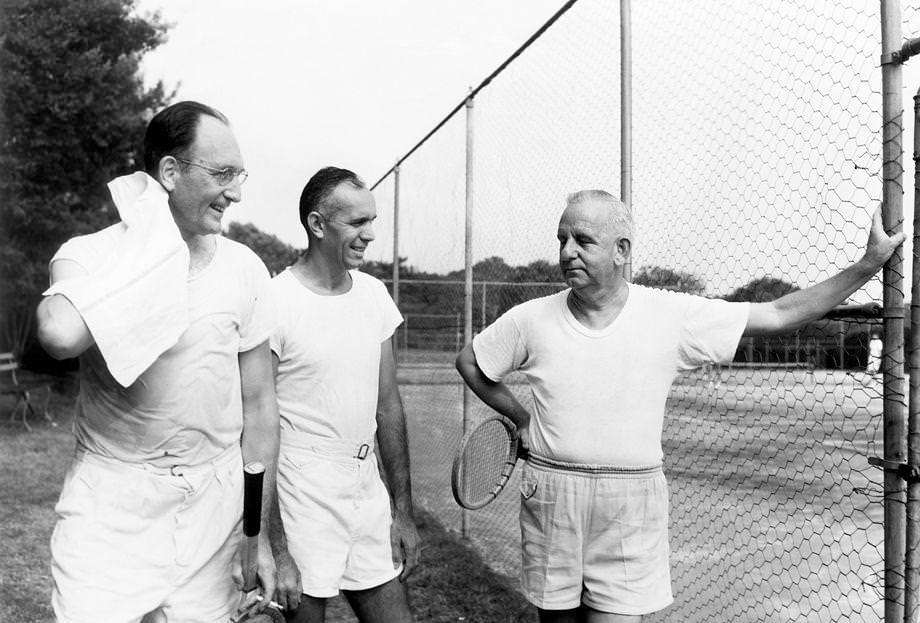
756,163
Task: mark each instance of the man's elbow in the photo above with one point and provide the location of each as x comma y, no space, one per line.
766,319
465,361
56,343
261,433
59,340
62,334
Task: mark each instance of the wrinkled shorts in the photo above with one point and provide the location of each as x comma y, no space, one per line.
336,515
598,539
132,538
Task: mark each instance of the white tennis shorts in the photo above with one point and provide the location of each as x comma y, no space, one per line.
132,538
336,515
598,539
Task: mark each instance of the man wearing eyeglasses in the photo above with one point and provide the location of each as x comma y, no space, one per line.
170,322
346,529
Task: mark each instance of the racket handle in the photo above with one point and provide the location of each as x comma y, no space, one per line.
253,475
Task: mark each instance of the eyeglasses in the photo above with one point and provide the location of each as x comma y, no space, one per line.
224,177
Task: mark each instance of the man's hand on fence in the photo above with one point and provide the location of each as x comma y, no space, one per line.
880,245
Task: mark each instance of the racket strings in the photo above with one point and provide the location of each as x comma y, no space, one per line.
486,462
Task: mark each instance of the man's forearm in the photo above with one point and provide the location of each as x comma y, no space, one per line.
493,393
276,534
795,309
394,453
260,419
260,443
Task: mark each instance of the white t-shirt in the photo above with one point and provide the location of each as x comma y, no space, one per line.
328,350
186,408
599,395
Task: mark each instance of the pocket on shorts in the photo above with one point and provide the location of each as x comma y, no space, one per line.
535,501
124,499
658,500
230,480
299,461
76,493
111,495
528,486
302,473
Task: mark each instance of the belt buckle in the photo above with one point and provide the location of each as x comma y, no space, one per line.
363,451
177,470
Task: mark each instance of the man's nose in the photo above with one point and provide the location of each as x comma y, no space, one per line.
367,233
567,251
234,192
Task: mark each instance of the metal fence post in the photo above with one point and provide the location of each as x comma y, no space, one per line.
396,235
468,280
893,302
841,340
912,535
626,114
484,317
396,252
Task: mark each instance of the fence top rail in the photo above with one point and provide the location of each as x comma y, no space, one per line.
473,92
414,315
857,311
455,282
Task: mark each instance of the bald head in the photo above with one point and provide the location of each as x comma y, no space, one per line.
601,209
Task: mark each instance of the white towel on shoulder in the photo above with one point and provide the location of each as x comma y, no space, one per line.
136,305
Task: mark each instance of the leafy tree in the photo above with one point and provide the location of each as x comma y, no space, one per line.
539,271
384,270
276,254
73,108
761,290
669,279
492,269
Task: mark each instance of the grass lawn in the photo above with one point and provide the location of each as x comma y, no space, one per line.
453,584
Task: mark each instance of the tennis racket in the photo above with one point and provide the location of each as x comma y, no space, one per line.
484,462
253,475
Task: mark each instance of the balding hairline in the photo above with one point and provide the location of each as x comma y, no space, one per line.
330,205
621,219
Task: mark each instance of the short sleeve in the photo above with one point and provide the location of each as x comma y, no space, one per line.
500,348
257,318
276,338
710,332
391,317
91,250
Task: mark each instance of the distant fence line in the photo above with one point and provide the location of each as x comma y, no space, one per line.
763,137
833,344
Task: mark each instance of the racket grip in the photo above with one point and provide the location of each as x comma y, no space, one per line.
253,475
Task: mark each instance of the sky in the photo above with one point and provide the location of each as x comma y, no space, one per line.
345,82
357,83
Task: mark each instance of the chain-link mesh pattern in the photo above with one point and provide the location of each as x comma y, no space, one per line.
757,165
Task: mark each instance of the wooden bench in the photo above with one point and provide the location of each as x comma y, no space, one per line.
12,386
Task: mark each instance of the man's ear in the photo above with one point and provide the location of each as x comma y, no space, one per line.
624,251
168,170
316,224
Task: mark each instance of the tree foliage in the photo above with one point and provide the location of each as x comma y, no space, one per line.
669,279
276,254
494,268
761,290
73,109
